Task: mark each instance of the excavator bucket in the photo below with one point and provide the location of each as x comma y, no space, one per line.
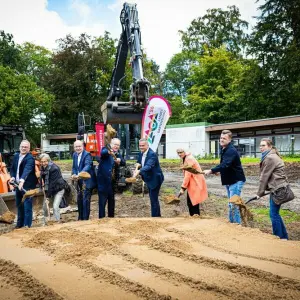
114,112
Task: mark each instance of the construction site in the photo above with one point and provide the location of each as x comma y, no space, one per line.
177,256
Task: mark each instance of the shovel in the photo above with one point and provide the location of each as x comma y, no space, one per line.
255,198
29,193
133,179
191,170
173,199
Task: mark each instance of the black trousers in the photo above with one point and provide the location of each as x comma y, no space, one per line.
193,209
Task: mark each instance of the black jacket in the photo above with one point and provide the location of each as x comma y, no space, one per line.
56,181
230,166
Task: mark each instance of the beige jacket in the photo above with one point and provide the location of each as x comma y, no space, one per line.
272,173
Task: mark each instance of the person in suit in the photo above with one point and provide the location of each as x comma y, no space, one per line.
82,162
107,176
23,173
151,174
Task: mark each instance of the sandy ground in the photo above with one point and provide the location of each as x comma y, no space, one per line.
136,257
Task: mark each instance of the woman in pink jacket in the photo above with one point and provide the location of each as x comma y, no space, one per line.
195,184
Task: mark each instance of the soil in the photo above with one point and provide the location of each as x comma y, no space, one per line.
133,256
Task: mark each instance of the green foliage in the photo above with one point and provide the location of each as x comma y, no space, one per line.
216,28
275,42
22,102
215,96
10,54
79,77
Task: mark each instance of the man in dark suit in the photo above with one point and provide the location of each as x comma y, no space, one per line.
82,162
151,174
23,173
107,176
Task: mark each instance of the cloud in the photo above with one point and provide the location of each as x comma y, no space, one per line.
160,21
32,21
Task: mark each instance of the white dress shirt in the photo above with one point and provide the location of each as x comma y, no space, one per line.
19,162
79,158
144,157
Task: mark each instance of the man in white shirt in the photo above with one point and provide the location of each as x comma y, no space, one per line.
23,173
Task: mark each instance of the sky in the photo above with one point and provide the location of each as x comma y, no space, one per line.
42,22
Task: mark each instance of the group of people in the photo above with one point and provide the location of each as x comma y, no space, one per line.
272,175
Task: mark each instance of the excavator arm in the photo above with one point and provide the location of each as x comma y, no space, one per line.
115,110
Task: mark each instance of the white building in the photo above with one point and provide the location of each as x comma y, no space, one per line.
191,136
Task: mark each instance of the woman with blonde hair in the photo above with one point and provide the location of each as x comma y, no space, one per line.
195,184
272,177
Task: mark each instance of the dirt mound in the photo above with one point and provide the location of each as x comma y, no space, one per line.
150,258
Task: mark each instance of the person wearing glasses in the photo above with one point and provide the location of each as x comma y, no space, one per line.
22,172
195,184
107,176
272,176
53,186
232,173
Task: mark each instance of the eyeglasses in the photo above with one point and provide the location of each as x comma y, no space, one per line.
179,152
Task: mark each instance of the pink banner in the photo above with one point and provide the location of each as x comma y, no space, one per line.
155,118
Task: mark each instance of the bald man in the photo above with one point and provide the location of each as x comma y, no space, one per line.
82,162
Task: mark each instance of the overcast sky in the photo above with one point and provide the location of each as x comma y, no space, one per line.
44,21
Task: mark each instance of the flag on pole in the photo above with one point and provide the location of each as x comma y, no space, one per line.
155,118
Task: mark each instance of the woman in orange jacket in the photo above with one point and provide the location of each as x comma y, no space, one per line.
195,184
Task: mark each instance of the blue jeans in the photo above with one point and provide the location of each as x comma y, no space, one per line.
234,212
24,210
277,222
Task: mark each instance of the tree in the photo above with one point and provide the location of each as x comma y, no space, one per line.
36,60
275,42
79,79
10,54
216,28
22,102
216,95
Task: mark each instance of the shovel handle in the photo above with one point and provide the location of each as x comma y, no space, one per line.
255,198
14,184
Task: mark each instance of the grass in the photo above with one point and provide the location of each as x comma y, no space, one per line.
127,193
261,215
168,191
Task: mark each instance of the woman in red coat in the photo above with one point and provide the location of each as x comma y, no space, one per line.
195,184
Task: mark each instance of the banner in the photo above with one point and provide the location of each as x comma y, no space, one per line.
100,137
155,118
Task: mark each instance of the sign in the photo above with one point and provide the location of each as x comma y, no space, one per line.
99,136
155,118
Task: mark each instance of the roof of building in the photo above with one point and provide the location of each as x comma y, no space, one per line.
61,136
187,125
255,123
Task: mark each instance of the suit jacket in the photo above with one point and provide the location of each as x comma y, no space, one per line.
85,165
105,170
151,172
26,170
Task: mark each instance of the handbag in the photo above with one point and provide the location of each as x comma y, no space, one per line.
283,195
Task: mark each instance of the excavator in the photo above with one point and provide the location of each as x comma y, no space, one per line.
124,117
115,110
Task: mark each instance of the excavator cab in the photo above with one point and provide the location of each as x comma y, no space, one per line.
115,110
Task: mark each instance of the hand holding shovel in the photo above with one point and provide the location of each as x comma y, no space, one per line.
256,198
135,173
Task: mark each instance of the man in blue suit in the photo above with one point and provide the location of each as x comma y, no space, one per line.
82,162
151,174
23,173
107,176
